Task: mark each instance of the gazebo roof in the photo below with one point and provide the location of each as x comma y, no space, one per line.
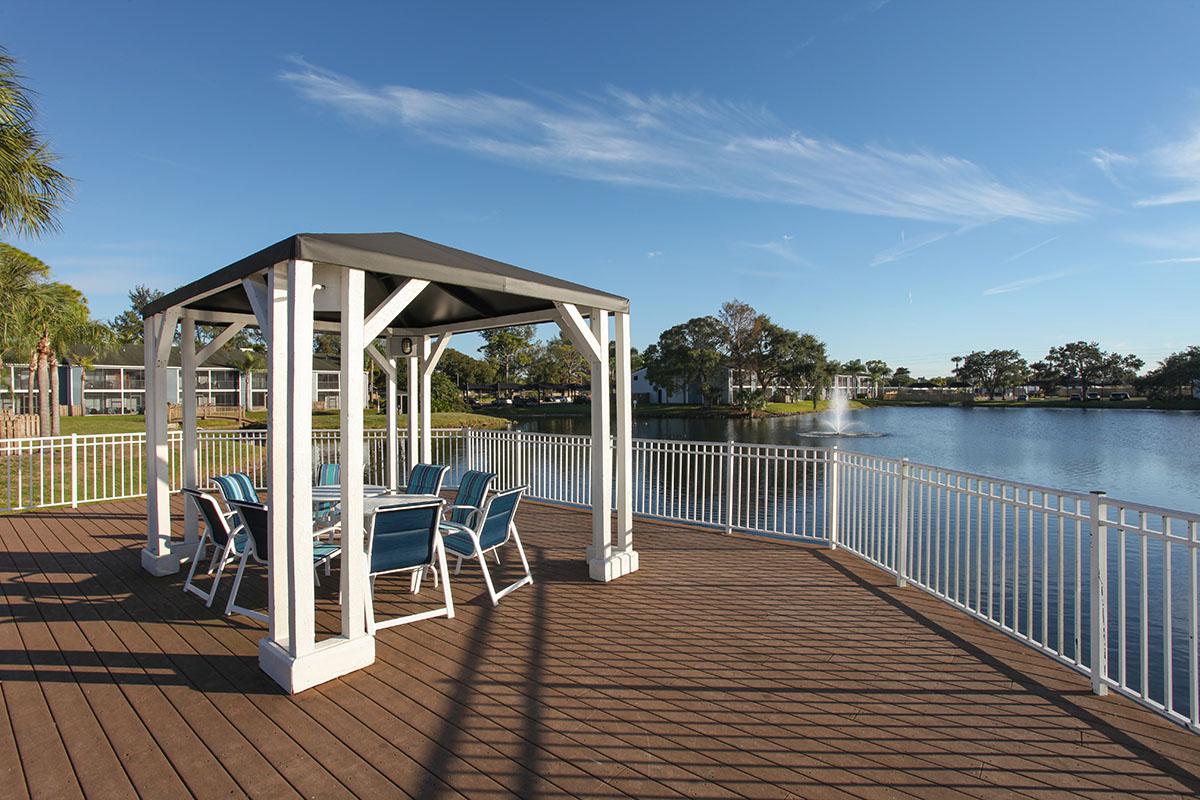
466,290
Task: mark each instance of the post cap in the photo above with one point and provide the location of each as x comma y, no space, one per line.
1099,492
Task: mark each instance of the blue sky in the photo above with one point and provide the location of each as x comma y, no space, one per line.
906,180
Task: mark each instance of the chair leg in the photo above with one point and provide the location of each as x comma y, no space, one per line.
487,577
187,582
458,566
369,599
441,551
237,581
496,554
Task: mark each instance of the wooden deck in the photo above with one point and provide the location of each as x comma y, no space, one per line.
726,667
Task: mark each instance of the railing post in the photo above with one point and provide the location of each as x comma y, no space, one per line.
466,438
1099,598
729,486
902,527
74,470
833,498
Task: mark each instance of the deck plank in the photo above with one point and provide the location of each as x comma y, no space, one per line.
727,667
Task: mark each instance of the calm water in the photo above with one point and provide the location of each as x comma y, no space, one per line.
1143,456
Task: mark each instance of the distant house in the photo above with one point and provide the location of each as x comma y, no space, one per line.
115,383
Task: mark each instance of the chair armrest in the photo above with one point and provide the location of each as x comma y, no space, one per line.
473,509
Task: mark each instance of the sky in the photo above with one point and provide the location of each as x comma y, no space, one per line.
906,180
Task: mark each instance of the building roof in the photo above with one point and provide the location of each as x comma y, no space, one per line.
464,287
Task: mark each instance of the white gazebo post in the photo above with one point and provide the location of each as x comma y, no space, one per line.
600,553
290,654
624,554
393,435
414,410
190,436
353,559
426,381
158,557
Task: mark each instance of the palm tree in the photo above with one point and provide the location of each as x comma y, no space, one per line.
31,188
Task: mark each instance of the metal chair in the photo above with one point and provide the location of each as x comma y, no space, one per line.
404,538
426,479
254,519
227,546
493,528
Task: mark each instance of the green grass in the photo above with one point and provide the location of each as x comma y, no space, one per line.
805,407
322,420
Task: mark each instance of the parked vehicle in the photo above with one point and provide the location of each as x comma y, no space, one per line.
1075,399
1093,395
1119,396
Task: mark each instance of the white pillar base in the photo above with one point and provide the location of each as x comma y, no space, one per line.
616,565
168,563
329,659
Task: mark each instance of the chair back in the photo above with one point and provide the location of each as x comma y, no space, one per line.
236,487
218,528
426,479
498,516
254,519
472,490
329,474
402,536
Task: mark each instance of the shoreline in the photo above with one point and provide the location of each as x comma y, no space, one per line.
1137,404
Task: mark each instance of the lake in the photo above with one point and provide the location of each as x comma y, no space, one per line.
1142,456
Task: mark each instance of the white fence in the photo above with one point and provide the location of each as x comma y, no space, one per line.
1108,587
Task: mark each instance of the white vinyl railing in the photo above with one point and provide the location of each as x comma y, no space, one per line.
1107,587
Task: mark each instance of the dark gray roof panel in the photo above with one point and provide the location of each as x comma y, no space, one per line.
465,287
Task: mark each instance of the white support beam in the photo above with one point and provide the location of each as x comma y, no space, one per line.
388,365
257,294
354,565
625,558
158,558
429,364
393,435
389,309
191,461
165,335
426,355
599,554
227,317
472,326
585,340
414,410
300,468
278,602
218,341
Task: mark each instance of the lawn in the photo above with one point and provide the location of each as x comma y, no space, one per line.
322,420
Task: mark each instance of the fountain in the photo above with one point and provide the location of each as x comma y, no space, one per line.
835,422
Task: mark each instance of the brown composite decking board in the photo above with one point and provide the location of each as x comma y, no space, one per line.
726,667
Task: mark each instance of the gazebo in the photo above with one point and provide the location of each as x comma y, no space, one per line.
416,295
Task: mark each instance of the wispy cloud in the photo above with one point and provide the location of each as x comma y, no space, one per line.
1025,283
1106,160
781,247
1179,163
654,253
907,246
1029,250
1182,260
689,143
765,274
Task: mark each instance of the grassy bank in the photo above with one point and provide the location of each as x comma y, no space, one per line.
653,410
322,420
1178,404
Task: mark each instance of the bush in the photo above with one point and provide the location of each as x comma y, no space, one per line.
445,395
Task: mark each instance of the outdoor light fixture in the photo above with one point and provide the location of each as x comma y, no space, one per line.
400,346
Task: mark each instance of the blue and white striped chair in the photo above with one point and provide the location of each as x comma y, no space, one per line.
426,479
236,487
327,475
468,503
492,528
404,538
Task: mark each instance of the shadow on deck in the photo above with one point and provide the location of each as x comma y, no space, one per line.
726,667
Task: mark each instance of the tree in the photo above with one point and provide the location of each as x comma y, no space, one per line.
687,354
508,349
994,370
557,361
902,377
465,370
741,328
31,188
127,326
44,319
1085,365
1174,375
785,358
878,370
444,395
